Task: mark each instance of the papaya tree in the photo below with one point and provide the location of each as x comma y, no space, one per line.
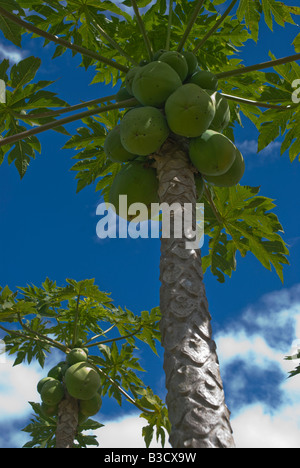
79,326
181,92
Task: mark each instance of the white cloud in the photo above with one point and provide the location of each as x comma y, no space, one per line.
255,428
17,387
9,52
125,432
249,150
253,346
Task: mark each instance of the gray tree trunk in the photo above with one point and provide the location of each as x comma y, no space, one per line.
67,422
195,396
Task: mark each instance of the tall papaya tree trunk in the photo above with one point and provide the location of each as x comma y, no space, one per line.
195,397
67,422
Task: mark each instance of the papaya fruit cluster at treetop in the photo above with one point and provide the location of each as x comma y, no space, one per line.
174,97
77,377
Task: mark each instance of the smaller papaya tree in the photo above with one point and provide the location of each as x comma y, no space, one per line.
93,344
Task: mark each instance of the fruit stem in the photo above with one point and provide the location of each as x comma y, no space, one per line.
121,390
216,26
66,120
100,334
259,66
75,332
190,24
142,29
110,340
212,204
255,103
169,25
112,42
40,336
82,50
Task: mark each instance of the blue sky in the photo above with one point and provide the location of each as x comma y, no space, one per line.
47,230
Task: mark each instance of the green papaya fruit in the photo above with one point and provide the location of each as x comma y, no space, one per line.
177,61
189,111
154,83
114,149
143,130
233,176
205,79
212,153
139,183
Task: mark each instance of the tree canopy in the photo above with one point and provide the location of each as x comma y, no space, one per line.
111,38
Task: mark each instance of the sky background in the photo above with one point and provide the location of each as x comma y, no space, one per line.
47,230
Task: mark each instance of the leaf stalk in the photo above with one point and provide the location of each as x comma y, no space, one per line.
190,25
258,66
66,120
216,26
76,48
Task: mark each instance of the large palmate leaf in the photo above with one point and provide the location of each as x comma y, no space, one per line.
24,101
245,223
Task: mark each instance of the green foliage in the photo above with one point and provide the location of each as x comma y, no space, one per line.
294,357
98,27
24,101
238,219
47,318
42,430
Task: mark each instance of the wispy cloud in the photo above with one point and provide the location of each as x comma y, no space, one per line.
9,52
249,150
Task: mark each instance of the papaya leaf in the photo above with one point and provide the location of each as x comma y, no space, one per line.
248,225
250,11
24,100
277,10
156,417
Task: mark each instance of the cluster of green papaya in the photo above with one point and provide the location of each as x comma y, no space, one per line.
174,96
76,376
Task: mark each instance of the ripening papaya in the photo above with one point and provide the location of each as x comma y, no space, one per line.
205,79
114,149
212,153
189,111
233,176
177,61
143,130
153,83
139,183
